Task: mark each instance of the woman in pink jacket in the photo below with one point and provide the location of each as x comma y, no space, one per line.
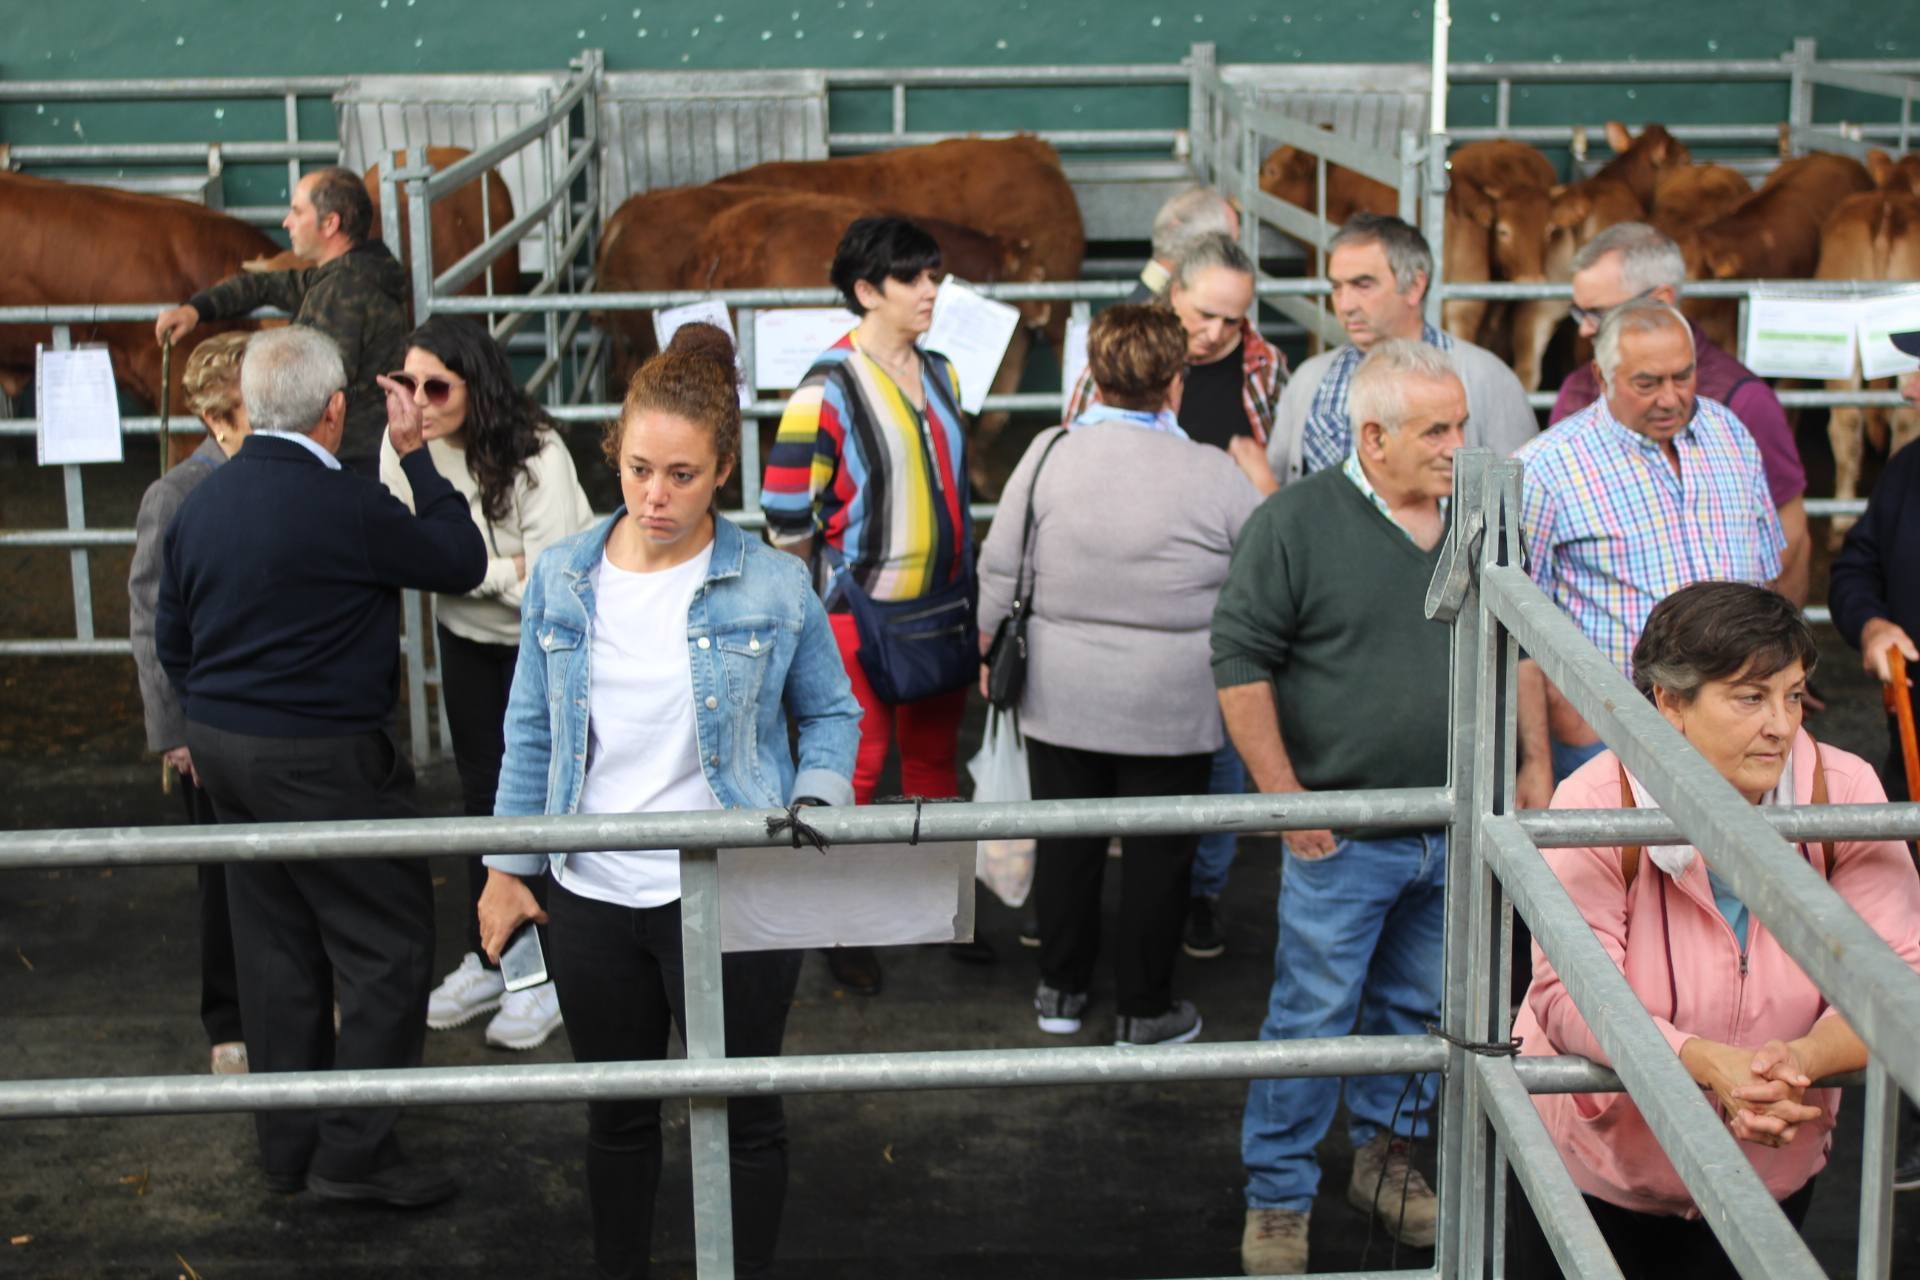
1727,665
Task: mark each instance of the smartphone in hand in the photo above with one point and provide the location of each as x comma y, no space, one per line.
523,964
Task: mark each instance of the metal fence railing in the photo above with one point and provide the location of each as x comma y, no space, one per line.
1493,866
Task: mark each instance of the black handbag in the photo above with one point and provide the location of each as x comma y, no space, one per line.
1007,655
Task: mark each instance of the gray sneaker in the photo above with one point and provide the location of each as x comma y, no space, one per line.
1176,1026
1059,1010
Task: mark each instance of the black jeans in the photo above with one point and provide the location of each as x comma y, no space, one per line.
305,932
219,987
475,679
1154,873
1652,1246
620,978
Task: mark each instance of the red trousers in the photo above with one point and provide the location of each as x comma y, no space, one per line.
928,730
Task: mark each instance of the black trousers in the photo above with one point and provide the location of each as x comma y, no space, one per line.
299,926
219,987
475,679
1648,1246
1154,876
621,981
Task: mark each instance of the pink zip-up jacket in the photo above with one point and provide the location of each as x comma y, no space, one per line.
1683,960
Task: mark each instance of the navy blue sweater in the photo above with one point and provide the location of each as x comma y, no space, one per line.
1877,573
279,610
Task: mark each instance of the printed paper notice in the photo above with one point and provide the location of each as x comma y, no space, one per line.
787,341
1878,317
667,323
972,330
79,409
1074,362
874,895
1800,337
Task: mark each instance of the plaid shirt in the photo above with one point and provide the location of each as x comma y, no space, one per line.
1265,370
1610,530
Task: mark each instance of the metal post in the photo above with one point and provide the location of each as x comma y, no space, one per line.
1200,111
553,391
76,495
413,641
706,1038
750,442
293,136
1800,86
1435,224
1882,1122
419,234
899,109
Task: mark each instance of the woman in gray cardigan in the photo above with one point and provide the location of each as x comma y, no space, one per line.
1133,528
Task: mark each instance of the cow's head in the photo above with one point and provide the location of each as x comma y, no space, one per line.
1288,174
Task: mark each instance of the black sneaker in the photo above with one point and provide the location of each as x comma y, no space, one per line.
1202,938
1176,1026
1030,929
402,1186
1059,1011
1906,1167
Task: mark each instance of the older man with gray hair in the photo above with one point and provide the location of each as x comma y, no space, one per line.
1632,260
1641,493
1331,678
1184,218
279,624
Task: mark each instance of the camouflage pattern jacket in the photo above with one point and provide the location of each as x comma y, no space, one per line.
360,301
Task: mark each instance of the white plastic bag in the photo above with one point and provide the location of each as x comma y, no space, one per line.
999,772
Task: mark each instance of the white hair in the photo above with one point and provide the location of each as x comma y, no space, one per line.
288,376
1649,259
1377,392
1195,212
1642,315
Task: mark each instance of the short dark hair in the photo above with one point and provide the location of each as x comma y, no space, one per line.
1719,631
341,192
877,249
1136,350
1408,254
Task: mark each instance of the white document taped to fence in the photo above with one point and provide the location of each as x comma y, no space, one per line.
787,341
1073,360
973,331
870,895
1801,337
79,408
667,323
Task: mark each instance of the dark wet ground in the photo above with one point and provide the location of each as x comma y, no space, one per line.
98,978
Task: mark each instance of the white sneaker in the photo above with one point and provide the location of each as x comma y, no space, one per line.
465,994
526,1018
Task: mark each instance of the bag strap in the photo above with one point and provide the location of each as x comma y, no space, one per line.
1630,854
1020,591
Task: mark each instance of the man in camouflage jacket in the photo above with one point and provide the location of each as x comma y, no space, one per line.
355,294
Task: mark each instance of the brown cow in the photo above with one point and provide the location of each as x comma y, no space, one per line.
1774,234
1498,204
1639,161
1580,211
63,243
1895,175
461,224
1696,194
1292,175
1872,236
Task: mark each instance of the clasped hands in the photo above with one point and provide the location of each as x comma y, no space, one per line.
1761,1092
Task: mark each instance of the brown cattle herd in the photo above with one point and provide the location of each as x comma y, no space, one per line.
1003,211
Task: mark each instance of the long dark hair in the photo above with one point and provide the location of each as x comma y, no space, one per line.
504,423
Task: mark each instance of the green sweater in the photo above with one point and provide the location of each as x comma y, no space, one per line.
1326,598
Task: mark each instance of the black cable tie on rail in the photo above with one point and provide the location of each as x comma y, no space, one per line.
799,829
918,802
1484,1048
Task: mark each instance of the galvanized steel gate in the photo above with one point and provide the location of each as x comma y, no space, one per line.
1486,1121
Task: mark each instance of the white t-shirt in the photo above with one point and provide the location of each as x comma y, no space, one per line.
643,754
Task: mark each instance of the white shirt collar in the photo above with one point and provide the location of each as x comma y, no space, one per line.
307,443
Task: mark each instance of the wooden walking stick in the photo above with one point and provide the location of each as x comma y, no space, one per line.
1899,701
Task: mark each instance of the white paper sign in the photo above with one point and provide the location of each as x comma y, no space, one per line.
1875,319
667,323
79,409
973,331
1800,337
1073,358
873,895
787,341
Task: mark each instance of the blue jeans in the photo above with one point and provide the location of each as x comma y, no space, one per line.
1566,759
1213,858
1360,952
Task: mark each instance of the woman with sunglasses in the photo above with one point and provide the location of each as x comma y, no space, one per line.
488,437
664,656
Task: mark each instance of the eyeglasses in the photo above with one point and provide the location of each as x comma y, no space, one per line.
437,388
1599,315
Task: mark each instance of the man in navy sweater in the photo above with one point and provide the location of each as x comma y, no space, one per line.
278,622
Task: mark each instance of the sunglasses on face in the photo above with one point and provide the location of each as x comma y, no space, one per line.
437,389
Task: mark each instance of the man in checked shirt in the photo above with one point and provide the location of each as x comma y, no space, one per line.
1650,488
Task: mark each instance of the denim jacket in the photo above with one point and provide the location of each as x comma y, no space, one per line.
759,647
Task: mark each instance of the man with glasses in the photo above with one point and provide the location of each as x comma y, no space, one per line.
356,294
1641,493
1631,261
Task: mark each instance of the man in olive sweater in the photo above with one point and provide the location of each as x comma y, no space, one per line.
1330,677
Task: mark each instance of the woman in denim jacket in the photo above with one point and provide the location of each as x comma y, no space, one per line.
700,643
